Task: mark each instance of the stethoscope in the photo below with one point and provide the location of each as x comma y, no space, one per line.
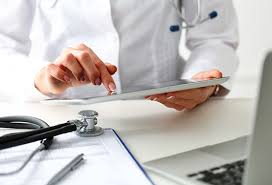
84,127
198,20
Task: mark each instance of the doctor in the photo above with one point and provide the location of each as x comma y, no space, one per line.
68,48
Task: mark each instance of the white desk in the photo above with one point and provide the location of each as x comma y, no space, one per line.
152,131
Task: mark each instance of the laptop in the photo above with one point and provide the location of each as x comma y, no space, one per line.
243,161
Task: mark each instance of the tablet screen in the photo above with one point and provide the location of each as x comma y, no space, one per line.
144,87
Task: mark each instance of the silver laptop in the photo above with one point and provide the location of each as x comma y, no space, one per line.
244,161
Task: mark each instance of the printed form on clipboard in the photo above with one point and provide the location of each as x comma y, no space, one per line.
107,161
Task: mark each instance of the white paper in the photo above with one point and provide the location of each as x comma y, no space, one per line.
106,162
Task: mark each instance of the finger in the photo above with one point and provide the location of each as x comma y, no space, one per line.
57,73
157,96
170,104
111,68
187,94
201,76
197,95
215,73
106,77
147,97
81,46
208,75
188,104
87,63
209,91
70,62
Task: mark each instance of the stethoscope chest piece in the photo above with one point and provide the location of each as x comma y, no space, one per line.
88,127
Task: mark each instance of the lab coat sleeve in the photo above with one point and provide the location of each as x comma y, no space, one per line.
213,44
16,69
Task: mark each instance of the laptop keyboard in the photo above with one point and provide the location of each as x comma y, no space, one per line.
228,174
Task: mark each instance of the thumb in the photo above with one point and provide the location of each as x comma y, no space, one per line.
206,75
111,68
215,74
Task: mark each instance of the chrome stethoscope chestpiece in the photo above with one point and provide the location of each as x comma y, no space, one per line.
88,126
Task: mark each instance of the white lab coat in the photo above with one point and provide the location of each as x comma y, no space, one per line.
34,32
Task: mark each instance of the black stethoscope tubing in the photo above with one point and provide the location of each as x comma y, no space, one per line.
42,131
32,136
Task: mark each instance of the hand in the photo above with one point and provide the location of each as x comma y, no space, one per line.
188,99
75,67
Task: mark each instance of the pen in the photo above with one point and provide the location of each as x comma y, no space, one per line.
66,169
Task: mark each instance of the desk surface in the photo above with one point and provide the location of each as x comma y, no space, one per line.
152,131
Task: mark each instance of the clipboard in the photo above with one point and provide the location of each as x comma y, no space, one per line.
132,156
107,160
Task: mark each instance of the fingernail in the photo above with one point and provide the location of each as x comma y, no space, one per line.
82,79
170,97
98,81
149,98
66,78
112,86
155,99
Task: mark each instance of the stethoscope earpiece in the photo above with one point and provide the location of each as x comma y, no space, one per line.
213,14
174,28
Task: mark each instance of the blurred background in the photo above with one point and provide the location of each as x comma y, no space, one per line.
255,41
255,26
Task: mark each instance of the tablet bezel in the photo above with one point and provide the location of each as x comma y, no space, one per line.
137,94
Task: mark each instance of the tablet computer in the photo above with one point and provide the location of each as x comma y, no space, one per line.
141,91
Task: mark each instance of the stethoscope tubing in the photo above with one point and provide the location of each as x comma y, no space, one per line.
39,136
188,25
22,135
22,122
